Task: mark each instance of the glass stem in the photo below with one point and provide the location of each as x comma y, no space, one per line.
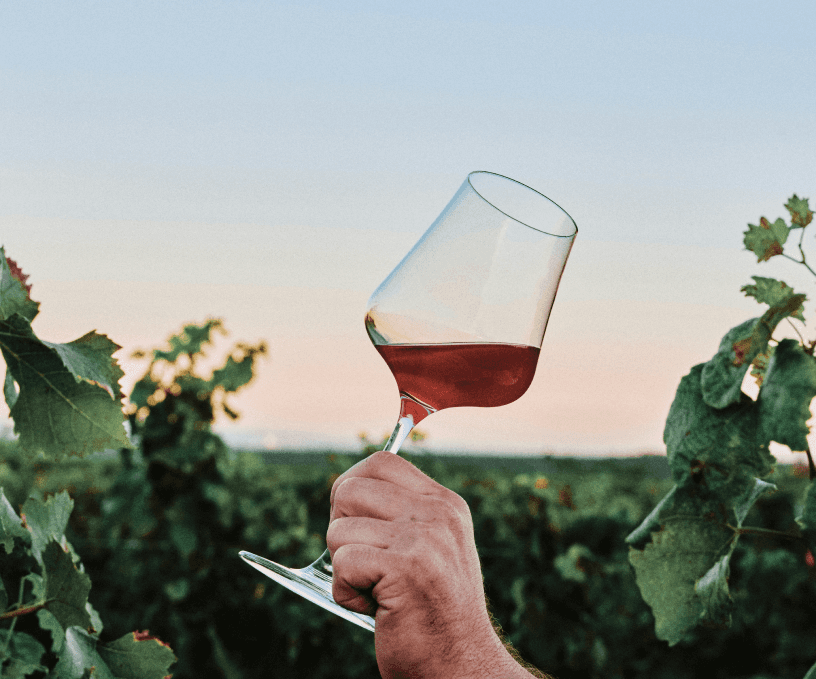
323,566
405,424
400,433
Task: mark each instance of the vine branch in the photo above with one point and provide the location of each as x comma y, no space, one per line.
24,610
793,534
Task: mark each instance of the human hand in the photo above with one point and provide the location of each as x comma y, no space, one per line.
403,551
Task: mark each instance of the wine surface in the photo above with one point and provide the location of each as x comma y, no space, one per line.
462,374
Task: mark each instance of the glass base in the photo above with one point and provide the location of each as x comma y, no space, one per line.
309,583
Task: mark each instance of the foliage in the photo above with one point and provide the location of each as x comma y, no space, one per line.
717,440
161,538
552,548
65,400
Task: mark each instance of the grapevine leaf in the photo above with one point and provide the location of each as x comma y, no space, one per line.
59,412
712,590
785,396
78,655
189,341
744,505
50,623
718,451
776,294
89,358
37,585
137,656
800,211
25,652
193,384
66,589
14,294
641,534
669,568
766,240
144,388
722,376
11,525
811,673
96,621
10,391
807,519
46,521
759,366
234,374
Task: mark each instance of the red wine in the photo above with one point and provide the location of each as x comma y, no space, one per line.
463,374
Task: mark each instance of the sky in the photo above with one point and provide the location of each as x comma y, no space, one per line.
270,163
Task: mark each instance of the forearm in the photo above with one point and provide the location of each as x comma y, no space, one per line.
496,660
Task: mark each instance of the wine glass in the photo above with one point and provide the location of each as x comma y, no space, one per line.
459,322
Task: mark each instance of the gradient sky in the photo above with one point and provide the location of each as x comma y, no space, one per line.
270,163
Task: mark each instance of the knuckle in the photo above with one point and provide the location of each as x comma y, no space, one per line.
333,536
453,508
342,492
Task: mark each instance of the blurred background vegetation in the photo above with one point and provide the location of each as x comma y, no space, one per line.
162,553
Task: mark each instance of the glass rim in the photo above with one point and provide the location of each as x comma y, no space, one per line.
515,219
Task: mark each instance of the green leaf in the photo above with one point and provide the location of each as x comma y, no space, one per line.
234,374
719,451
722,376
25,652
66,589
49,623
759,489
144,388
189,341
46,521
138,656
10,391
674,575
3,597
96,621
785,396
89,359
807,519
766,240
712,591
800,211
194,385
639,536
14,296
78,655
776,294
759,366
11,525
59,412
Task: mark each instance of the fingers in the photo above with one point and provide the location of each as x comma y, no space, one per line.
357,568
362,496
393,468
361,531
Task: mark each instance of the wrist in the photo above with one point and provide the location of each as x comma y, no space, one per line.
489,659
